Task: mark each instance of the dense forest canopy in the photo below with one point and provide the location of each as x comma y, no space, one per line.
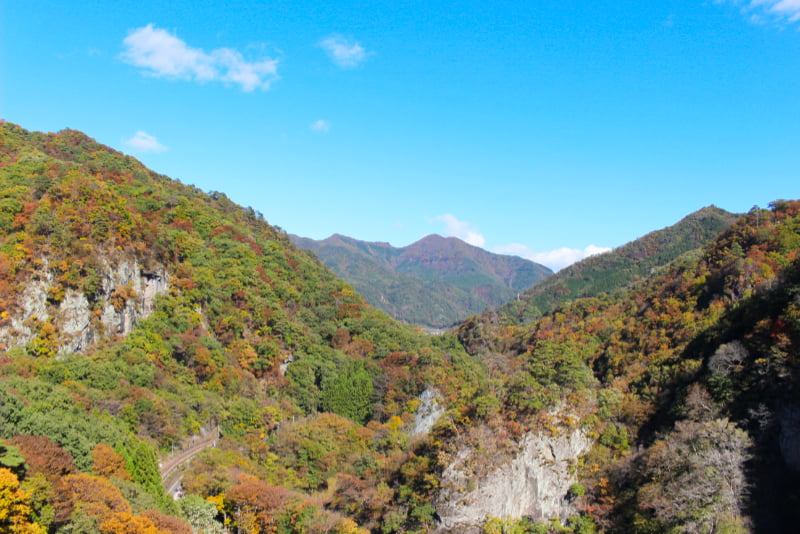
613,270
687,379
252,335
139,315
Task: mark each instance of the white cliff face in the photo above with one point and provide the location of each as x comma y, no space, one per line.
428,413
75,321
33,304
534,483
142,288
127,296
285,365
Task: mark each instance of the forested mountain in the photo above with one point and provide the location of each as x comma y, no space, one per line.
434,283
687,382
136,311
138,315
615,269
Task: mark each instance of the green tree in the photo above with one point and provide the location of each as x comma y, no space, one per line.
201,514
349,392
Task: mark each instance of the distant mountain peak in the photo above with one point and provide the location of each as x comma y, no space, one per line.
435,238
434,282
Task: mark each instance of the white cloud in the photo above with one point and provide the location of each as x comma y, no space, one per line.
460,229
166,56
764,11
554,259
514,249
144,142
320,126
344,52
790,8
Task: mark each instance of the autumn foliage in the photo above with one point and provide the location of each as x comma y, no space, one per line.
683,374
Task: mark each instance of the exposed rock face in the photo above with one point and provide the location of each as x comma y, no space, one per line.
142,288
534,483
429,411
75,321
32,305
285,365
127,296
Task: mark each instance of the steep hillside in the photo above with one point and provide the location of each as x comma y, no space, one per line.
610,271
687,384
137,312
139,315
435,282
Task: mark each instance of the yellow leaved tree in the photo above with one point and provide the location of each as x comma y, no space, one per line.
15,509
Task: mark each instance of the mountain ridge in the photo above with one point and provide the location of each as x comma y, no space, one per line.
686,377
434,282
136,310
668,404
615,269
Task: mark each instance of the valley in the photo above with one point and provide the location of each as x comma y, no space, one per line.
650,389
434,283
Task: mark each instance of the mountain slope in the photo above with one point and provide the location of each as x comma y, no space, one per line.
434,282
687,382
136,311
613,270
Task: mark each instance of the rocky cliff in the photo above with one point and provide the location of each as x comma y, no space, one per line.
532,483
70,320
428,413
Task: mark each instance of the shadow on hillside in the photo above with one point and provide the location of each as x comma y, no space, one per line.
754,399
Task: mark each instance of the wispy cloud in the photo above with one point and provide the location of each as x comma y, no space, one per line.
344,52
320,126
144,142
460,229
766,11
554,259
164,55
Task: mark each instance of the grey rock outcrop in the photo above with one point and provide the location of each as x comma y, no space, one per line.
127,295
428,413
32,305
74,313
143,288
533,483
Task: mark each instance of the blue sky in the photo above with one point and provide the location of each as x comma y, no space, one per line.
547,129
